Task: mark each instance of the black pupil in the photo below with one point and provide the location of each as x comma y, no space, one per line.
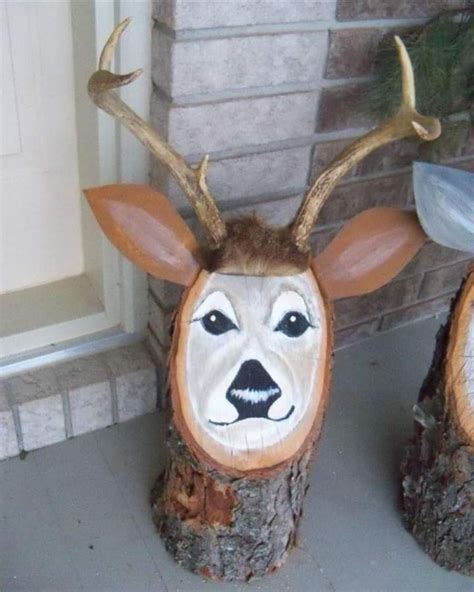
293,324
217,323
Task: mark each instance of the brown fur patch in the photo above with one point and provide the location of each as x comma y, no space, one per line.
254,248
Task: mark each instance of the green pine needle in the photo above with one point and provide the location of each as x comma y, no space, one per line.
442,54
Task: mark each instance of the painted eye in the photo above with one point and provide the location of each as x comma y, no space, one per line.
217,323
293,324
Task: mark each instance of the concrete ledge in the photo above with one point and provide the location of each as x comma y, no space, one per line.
54,403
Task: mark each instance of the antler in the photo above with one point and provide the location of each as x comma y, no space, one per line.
406,122
191,180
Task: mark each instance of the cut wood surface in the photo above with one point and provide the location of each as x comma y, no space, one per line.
248,400
438,465
460,362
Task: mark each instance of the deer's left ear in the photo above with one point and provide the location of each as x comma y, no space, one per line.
146,228
368,252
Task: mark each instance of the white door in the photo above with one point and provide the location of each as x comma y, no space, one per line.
62,285
41,238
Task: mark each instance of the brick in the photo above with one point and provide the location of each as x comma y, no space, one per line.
236,63
130,358
81,372
351,311
159,355
201,129
137,393
278,212
322,237
38,397
386,9
324,153
432,256
344,107
245,177
351,198
87,383
352,52
91,408
468,165
189,14
443,280
135,378
166,293
8,440
42,422
456,141
390,158
350,335
159,321
417,311
37,384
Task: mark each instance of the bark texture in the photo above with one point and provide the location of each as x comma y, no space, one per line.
438,473
226,528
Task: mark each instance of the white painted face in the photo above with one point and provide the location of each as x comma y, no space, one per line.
469,360
252,349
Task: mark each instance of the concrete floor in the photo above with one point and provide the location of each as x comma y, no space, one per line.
75,516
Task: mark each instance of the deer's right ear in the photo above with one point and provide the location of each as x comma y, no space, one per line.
146,228
368,252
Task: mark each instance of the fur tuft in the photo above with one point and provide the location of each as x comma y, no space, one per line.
254,248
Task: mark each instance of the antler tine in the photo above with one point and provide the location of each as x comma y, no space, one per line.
408,78
406,122
107,53
101,87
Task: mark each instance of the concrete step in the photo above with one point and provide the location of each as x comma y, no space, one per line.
57,402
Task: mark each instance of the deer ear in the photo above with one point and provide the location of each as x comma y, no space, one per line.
146,228
444,200
368,252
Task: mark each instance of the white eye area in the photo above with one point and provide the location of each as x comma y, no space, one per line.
293,324
290,310
213,307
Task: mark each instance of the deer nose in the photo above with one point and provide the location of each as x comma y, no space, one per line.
253,391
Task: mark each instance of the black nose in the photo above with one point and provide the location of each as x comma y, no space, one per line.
253,391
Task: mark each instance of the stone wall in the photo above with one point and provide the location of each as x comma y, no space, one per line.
272,90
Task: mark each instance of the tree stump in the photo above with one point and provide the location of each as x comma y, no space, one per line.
225,528
224,511
438,465
250,361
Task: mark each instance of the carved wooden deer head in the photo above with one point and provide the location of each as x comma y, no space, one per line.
445,204
251,352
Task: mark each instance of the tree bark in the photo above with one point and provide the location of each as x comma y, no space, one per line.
227,528
438,464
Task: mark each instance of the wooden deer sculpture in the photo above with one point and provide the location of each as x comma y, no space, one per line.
438,466
250,361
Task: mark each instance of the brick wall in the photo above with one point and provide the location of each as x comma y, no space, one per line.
272,91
